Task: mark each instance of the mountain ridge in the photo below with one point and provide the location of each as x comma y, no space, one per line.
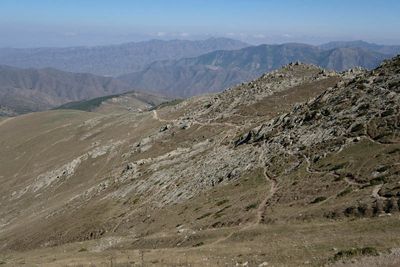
27,90
112,60
218,70
384,49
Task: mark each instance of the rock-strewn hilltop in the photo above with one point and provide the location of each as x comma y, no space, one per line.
263,169
350,132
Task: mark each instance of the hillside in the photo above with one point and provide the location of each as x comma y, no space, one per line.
296,168
112,60
27,90
219,70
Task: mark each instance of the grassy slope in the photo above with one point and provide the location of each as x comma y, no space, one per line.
301,244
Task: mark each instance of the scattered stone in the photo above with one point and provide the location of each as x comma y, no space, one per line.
164,128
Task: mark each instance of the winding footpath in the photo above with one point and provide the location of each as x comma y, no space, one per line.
260,215
375,192
349,181
271,181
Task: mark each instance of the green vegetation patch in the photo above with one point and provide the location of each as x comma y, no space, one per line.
168,104
87,105
222,202
338,166
345,192
251,206
378,180
204,216
199,244
318,199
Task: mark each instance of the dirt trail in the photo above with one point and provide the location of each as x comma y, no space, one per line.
349,181
271,181
311,171
308,167
260,216
271,192
156,117
375,192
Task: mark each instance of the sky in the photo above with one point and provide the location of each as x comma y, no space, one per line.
34,23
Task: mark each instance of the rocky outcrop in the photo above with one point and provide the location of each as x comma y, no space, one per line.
365,105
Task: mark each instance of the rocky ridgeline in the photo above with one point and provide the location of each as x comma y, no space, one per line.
364,106
225,105
367,105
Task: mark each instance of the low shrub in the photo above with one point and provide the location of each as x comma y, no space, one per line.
355,252
251,206
318,199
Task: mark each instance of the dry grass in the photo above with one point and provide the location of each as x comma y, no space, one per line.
301,244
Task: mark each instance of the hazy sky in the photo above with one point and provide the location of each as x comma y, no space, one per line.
29,23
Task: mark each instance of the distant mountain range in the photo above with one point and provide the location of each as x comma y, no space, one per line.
113,60
184,73
218,70
384,49
27,90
